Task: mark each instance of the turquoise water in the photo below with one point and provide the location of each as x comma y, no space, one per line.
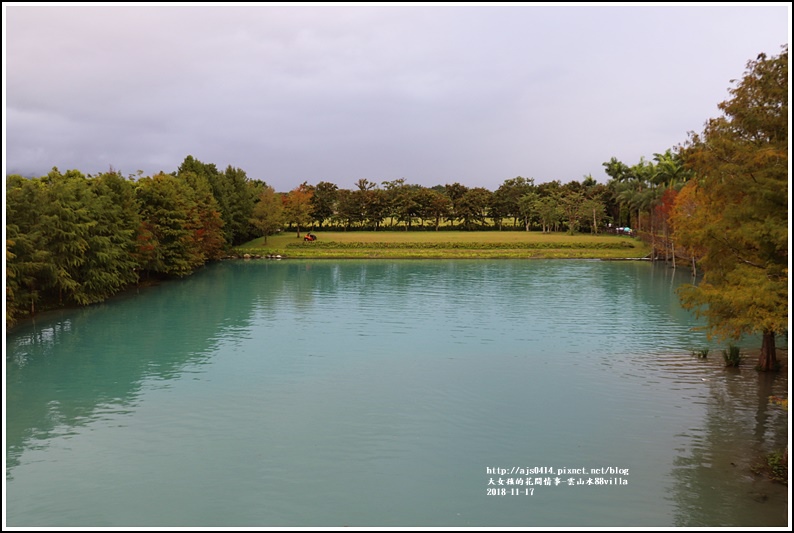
368,393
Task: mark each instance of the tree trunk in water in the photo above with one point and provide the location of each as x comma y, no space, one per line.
766,359
653,240
672,244
32,302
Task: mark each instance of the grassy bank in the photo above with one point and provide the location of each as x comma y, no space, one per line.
448,245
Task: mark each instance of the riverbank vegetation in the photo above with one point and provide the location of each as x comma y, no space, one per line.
447,245
717,204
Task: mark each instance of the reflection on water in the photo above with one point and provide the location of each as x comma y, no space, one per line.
349,393
740,427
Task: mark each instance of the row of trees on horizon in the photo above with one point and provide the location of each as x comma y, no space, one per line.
78,239
75,239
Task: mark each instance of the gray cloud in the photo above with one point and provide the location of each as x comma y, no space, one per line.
475,94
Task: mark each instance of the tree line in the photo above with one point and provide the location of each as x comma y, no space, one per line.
517,204
718,201
73,239
76,239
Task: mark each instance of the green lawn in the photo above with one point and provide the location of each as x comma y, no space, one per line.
448,244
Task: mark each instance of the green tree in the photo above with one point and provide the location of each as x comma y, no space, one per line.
348,212
473,207
740,218
110,265
236,201
527,208
549,211
424,199
618,211
632,187
506,199
391,191
71,239
207,225
169,220
571,204
232,192
427,208
66,222
594,206
407,204
455,192
593,211
375,206
323,202
268,215
549,205
28,262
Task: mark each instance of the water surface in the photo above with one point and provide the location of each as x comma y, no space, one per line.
369,393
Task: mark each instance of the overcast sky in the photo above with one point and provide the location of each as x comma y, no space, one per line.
433,94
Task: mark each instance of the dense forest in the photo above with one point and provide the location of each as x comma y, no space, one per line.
718,202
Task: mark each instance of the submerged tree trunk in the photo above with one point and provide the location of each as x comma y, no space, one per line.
672,244
32,301
767,359
653,240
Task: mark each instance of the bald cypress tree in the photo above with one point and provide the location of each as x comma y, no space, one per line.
28,263
66,223
736,215
207,223
169,220
109,266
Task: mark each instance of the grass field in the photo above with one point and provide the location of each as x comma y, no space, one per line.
447,244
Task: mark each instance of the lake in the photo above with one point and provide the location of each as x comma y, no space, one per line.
547,393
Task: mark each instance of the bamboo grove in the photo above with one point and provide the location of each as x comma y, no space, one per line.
717,203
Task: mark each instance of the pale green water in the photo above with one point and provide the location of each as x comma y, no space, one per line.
300,393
